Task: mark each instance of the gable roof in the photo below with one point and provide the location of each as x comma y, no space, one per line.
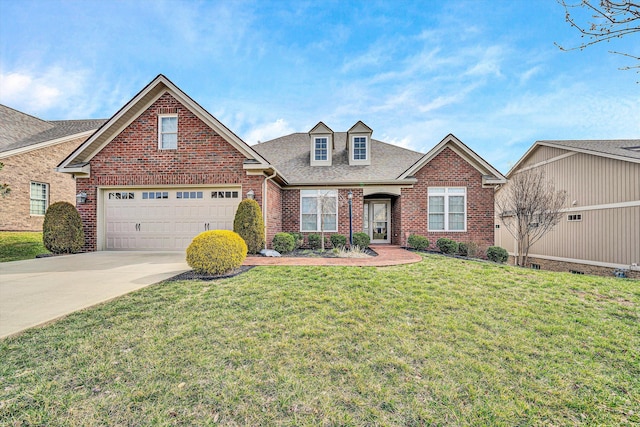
20,132
291,155
490,175
627,150
78,160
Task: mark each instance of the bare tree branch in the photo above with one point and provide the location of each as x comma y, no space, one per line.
610,19
529,207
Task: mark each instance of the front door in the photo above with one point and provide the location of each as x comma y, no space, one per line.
377,220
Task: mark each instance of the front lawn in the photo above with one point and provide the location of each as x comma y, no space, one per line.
441,342
18,245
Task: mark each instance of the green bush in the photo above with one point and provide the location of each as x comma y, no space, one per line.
338,241
497,254
447,246
298,239
283,242
249,225
361,240
216,252
62,229
314,241
418,242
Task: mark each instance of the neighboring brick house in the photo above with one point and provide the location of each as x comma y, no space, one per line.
30,150
163,169
599,231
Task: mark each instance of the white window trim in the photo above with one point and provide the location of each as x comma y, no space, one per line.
318,212
366,148
315,139
160,117
446,196
46,197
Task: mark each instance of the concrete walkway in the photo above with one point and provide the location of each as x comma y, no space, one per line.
387,255
37,291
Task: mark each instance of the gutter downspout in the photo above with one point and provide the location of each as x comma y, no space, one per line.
264,205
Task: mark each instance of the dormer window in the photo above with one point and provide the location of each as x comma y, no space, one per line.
359,148
321,145
320,148
359,144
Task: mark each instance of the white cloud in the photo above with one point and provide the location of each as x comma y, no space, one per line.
268,131
25,91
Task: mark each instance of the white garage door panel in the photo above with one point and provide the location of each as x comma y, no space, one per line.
134,220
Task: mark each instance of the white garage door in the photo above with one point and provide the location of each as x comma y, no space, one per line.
166,219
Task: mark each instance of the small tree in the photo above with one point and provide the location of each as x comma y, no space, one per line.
4,188
327,206
248,223
529,207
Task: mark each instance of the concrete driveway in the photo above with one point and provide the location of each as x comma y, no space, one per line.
37,291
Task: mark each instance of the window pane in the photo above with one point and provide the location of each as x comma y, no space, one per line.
329,222
169,140
309,222
321,148
328,205
169,124
456,204
436,221
436,204
309,205
455,190
436,190
456,221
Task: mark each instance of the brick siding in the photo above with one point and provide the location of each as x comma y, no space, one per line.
447,169
38,166
133,158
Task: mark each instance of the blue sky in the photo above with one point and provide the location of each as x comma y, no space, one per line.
486,71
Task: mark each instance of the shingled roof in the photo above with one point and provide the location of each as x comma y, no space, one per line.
291,156
20,130
629,148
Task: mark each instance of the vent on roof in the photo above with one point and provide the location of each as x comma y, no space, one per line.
636,148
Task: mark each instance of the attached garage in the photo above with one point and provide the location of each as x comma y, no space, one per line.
165,219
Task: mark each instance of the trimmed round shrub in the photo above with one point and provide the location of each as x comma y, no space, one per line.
283,242
497,254
361,240
216,252
338,240
418,242
62,229
298,239
314,241
249,225
447,246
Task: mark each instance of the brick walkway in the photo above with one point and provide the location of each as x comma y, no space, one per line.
387,255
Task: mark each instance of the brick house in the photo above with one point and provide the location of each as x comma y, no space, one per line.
163,169
30,150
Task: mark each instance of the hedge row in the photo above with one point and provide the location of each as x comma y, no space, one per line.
466,249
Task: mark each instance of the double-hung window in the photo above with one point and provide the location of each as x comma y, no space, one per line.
168,132
321,148
318,210
38,198
447,209
359,148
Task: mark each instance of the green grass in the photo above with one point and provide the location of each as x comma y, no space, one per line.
442,342
18,245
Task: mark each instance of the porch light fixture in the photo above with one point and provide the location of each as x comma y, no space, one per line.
251,194
350,197
81,198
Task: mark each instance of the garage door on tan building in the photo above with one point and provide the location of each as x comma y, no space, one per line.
165,218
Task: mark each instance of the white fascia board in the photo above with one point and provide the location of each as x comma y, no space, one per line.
83,171
405,183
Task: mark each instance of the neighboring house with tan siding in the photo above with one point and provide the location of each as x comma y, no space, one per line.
30,149
600,228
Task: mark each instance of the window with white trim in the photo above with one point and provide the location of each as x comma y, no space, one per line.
320,148
168,131
38,198
447,209
318,210
359,148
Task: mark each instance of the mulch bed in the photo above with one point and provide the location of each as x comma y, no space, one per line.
317,253
192,275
